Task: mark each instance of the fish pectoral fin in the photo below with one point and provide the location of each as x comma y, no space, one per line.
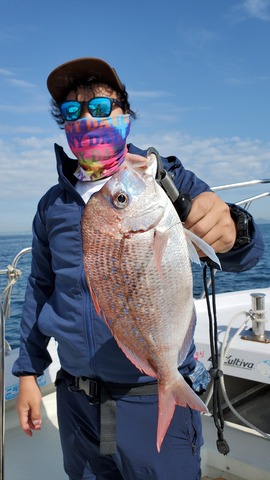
203,246
94,298
160,242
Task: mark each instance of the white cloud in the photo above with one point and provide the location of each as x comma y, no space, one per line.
12,80
197,38
217,160
5,73
28,167
19,129
258,8
29,108
241,80
20,83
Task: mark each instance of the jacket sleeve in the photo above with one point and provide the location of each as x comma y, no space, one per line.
33,356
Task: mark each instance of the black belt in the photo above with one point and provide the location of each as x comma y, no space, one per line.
105,393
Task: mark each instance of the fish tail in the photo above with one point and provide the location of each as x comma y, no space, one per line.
177,393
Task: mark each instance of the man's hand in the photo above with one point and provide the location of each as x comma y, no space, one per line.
28,404
210,219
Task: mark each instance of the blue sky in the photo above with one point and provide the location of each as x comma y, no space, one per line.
197,73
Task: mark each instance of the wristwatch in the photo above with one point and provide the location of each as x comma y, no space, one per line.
243,222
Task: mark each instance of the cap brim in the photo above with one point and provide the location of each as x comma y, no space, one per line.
66,74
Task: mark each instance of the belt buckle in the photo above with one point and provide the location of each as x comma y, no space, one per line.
90,387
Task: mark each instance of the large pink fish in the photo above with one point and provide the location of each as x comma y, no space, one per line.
137,265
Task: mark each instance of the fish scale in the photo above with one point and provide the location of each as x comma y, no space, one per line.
137,266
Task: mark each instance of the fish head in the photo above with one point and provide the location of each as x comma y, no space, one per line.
133,198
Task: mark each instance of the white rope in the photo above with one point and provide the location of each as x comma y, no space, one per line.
13,275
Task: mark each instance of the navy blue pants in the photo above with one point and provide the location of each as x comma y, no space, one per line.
136,457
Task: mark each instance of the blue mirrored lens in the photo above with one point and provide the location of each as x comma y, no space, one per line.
71,110
100,107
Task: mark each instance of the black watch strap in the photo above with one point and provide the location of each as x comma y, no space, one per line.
243,222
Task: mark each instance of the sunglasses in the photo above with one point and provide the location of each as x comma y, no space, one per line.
97,107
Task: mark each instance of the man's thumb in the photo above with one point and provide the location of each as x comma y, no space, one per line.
35,418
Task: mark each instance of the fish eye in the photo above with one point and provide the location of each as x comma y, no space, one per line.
120,200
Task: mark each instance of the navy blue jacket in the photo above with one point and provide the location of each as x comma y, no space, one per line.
57,302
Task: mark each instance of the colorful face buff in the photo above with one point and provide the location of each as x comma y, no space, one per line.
99,144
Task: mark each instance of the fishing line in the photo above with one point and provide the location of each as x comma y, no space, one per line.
215,372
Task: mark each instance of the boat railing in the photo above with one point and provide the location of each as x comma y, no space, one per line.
246,203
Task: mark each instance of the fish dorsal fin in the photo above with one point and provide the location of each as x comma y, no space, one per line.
203,246
146,165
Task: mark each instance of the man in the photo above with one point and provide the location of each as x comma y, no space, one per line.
91,104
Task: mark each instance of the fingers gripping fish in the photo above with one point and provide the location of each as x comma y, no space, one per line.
137,266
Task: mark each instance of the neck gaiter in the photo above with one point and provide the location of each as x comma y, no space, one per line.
99,144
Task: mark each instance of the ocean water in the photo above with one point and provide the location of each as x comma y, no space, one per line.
11,245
